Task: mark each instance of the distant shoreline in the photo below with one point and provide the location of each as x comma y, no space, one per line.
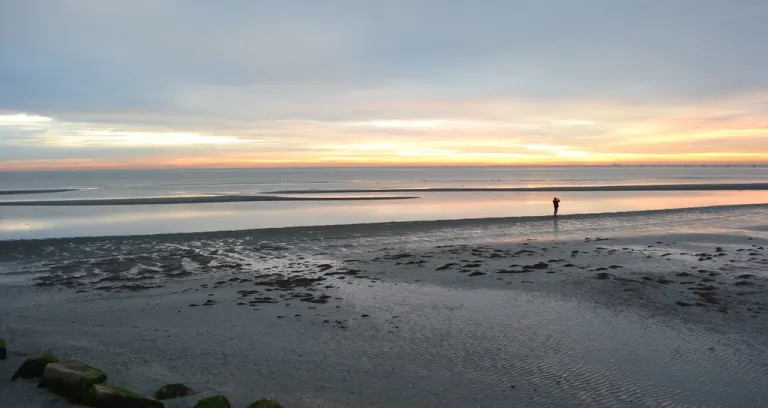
57,190
644,187
188,200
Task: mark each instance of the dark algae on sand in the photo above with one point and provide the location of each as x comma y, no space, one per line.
173,391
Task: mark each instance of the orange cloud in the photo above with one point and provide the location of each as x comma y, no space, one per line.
414,132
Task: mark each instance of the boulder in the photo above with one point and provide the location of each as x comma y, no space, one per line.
216,401
173,391
70,379
3,351
110,396
34,366
265,403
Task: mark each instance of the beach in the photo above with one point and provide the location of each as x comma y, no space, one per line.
662,308
376,288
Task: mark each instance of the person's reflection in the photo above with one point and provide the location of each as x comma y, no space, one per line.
555,230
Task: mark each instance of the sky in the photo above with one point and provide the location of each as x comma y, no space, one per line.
248,83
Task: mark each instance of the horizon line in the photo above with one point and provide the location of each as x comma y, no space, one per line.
380,165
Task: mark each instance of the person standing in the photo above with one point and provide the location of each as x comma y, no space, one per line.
556,204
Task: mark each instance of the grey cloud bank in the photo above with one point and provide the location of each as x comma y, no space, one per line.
71,54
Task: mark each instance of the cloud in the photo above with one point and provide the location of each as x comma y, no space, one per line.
23,121
304,81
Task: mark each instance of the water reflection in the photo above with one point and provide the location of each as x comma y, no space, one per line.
38,222
48,222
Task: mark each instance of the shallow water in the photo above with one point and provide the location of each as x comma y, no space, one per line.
46,222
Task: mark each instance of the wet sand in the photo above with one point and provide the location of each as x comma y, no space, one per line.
187,200
618,320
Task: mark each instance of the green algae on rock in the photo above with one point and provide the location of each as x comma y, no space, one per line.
173,391
34,366
110,396
70,378
265,403
216,401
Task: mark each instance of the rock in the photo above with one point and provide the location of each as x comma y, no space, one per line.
109,396
216,401
3,351
265,403
602,276
173,391
34,366
540,265
70,379
476,274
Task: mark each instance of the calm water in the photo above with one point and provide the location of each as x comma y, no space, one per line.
18,222
143,182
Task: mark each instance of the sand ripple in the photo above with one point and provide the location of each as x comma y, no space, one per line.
486,341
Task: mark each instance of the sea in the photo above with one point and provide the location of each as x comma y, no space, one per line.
93,203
